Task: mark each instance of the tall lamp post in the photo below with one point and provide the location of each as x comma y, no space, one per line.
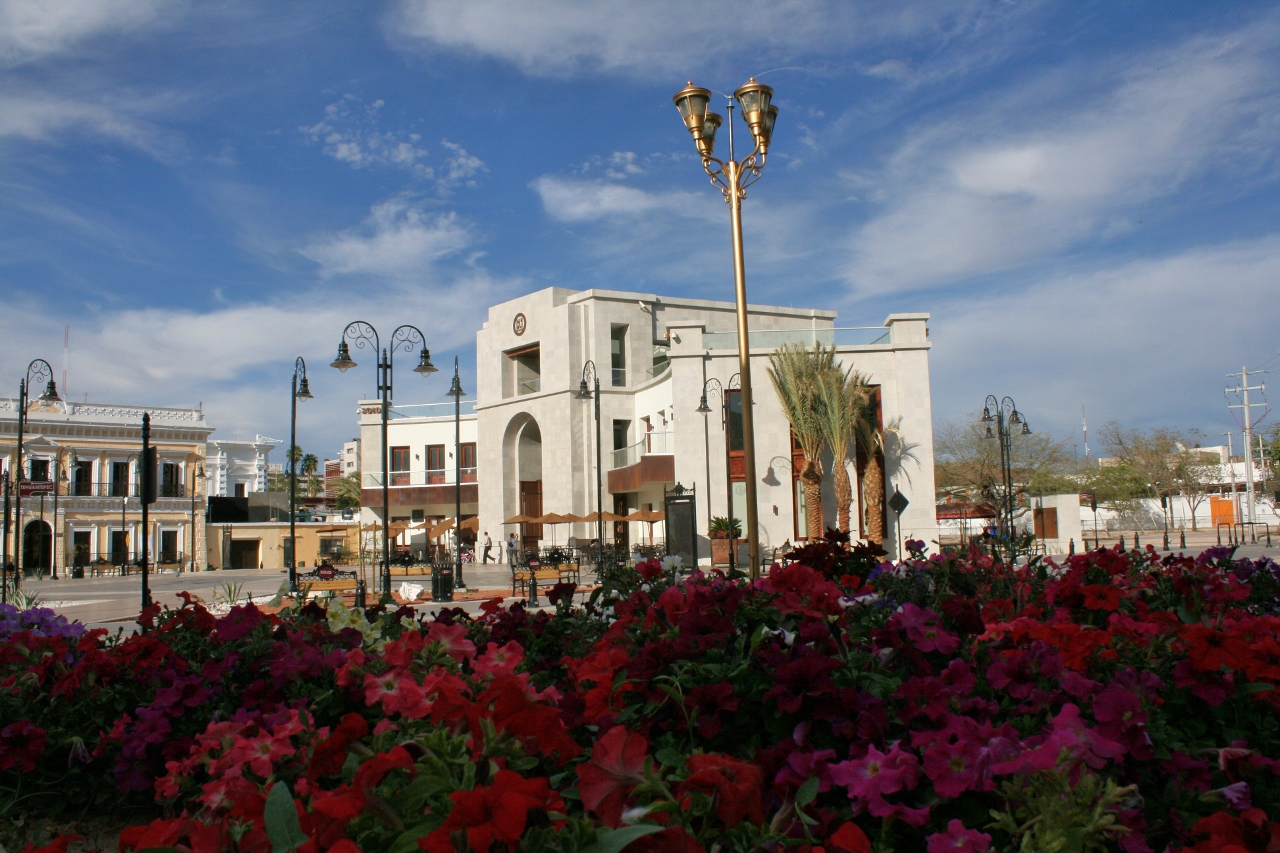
586,392
301,391
1005,415
732,177
37,371
455,391
4,550
406,337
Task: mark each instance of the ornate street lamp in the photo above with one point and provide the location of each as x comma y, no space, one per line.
732,177
592,392
1005,415
301,391
405,337
37,371
455,391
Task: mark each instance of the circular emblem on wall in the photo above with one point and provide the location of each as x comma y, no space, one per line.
519,325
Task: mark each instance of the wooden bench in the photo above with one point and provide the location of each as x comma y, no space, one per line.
547,576
330,580
410,571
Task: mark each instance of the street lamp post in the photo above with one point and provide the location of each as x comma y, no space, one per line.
197,476
4,554
586,392
732,177
455,391
37,371
301,391
704,409
1005,415
406,337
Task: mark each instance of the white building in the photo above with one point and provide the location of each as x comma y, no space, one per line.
236,468
350,458
422,463
87,454
534,440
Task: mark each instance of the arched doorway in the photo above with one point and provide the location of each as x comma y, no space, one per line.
37,546
522,446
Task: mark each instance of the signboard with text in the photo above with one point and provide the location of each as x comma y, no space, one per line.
30,488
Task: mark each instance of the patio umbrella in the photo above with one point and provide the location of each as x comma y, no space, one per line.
472,524
649,516
521,519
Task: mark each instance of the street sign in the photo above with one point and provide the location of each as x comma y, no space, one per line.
30,488
898,502
326,572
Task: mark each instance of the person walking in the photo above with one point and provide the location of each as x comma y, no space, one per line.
488,546
512,544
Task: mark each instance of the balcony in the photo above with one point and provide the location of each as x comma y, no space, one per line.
429,477
531,386
772,339
118,490
654,442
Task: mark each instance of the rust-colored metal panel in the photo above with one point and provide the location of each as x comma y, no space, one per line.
652,468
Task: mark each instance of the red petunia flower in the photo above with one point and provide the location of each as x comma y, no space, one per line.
850,838
734,785
499,812
615,768
21,744
1100,597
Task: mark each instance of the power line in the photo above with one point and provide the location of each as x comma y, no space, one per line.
1247,423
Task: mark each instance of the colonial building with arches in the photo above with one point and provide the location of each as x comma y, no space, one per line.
80,461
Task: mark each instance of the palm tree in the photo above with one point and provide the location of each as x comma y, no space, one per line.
797,375
346,491
310,464
842,398
871,444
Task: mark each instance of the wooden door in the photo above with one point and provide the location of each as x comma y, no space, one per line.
1046,523
531,505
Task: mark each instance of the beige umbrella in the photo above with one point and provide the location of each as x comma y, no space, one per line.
472,524
521,519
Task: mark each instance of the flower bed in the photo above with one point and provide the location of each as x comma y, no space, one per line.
1119,702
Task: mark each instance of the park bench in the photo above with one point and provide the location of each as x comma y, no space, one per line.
418,570
326,579
547,577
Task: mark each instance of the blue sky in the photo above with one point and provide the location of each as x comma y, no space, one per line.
1083,195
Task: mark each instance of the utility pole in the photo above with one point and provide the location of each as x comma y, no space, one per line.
1084,424
1247,423
1231,468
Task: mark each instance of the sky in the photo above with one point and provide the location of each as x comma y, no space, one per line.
1083,195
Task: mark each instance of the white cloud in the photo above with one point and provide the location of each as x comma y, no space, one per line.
460,167
399,240
665,37
34,29
1146,342
578,200
350,134
1040,172
38,116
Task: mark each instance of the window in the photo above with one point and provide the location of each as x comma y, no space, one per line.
81,479
169,485
399,466
419,515
239,490
39,470
621,434
522,372
468,451
435,464
330,548
618,354
735,420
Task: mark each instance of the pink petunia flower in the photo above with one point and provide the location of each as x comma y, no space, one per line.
958,839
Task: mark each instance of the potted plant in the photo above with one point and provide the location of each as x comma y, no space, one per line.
724,532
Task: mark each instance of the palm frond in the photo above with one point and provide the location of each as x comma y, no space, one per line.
796,373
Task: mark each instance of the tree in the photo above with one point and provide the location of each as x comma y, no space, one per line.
842,399
1161,462
346,491
797,373
881,454
965,459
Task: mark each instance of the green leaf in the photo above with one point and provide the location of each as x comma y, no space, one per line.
407,842
616,840
668,757
808,792
281,817
1256,687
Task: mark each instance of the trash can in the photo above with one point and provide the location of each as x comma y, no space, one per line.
442,584
77,572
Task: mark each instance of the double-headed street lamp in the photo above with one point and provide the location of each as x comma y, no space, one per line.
406,337
586,392
1005,415
455,391
301,391
37,371
733,177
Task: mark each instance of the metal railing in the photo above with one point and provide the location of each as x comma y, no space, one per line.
654,442
663,366
619,377
433,477
116,490
530,386
855,336
431,410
